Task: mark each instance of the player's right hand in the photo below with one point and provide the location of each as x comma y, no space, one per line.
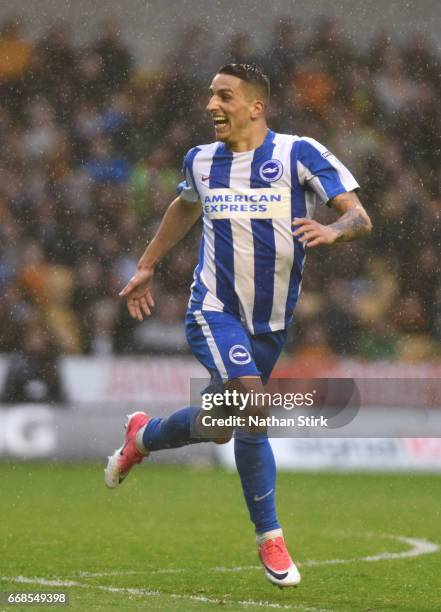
137,291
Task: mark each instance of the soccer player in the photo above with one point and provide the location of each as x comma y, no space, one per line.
256,191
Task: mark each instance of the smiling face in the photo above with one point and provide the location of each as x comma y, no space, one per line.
236,108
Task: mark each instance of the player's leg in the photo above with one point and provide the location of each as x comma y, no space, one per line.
212,337
242,361
205,337
257,470
145,434
253,453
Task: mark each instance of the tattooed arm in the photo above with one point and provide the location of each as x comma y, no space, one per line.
354,223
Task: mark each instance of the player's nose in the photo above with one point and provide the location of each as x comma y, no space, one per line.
212,105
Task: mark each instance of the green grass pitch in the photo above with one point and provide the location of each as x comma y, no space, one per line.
172,538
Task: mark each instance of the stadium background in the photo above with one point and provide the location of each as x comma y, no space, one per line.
98,107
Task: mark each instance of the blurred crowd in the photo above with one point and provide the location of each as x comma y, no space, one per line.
92,146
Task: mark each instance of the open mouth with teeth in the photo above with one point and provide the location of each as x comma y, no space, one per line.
219,121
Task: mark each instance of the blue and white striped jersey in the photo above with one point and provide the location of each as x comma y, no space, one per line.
249,263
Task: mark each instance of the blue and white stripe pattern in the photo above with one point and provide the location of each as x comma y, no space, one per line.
249,264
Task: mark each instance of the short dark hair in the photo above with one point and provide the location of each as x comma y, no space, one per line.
250,73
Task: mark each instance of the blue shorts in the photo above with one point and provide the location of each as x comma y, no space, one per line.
224,346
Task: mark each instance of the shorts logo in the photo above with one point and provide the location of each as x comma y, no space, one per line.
271,170
239,355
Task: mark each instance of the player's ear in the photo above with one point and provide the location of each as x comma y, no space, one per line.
258,109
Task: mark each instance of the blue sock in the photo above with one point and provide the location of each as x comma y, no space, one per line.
257,470
172,432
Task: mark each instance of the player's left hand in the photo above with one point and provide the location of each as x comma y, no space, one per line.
312,233
137,292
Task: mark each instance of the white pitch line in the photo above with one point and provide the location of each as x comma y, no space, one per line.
156,593
418,547
130,572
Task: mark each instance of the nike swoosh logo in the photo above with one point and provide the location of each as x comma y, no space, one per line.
275,574
205,178
258,498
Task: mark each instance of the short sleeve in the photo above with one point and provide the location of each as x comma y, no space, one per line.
187,188
318,169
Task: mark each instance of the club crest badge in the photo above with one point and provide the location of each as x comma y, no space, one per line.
239,355
271,170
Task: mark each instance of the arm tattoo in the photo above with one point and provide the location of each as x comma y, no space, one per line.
353,224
